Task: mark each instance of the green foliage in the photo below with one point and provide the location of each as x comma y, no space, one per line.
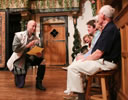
4,3
60,2
93,5
65,4
22,1
27,3
76,43
36,4
16,3
48,3
53,3
10,2
23,23
42,3
70,3
0,3
93,9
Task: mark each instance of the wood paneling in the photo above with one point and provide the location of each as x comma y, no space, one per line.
122,23
2,39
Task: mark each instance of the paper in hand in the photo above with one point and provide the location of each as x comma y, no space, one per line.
35,50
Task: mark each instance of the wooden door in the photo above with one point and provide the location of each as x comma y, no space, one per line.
2,39
54,43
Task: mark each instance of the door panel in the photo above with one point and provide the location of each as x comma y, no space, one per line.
2,39
54,44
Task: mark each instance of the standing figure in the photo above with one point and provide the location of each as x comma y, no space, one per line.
20,60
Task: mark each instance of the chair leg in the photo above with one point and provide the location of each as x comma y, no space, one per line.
104,90
88,88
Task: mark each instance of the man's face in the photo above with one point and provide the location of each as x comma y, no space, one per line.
100,18
91,29
97,25
31,27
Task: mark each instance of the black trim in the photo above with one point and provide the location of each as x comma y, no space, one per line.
13,10
54,10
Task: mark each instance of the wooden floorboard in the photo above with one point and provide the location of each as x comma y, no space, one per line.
54,81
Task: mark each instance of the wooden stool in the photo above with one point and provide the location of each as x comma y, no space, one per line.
102,76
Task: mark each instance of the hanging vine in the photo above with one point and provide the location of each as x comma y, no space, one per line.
27,3
93,5
16,3
23,23
4,4
76,43
53,5
60,2
102,2
78,1
65,4
0,4
22,1
42,3
10,3
37,5
70,3
48,3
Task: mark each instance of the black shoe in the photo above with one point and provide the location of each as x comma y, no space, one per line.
40,86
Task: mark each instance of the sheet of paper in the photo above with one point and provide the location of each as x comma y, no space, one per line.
35,50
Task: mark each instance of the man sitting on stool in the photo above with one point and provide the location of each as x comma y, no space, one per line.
104,56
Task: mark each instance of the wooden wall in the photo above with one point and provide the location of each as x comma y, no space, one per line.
122,22
2,39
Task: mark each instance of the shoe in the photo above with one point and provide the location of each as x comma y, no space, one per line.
67,92
72,96
40,86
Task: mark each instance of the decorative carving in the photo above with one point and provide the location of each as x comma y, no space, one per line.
13,4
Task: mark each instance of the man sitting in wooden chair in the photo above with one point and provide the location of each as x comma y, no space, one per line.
104,56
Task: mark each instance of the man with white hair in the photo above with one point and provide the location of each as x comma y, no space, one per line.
20,61
104,56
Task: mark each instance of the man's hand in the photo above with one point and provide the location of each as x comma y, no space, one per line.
39,55
32,43
79,57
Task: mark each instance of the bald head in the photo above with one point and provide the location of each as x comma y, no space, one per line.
30,22
31,27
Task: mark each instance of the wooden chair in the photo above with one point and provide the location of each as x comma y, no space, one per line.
102,76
